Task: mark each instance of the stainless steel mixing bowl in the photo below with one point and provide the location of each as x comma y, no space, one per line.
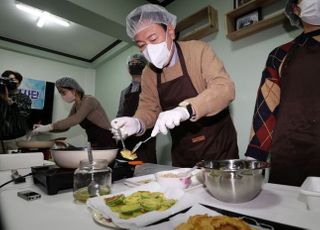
233,181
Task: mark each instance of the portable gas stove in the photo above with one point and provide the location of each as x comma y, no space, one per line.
52,178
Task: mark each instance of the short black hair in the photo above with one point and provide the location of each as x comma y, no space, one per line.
17,75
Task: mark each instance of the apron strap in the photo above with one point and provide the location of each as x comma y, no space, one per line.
313,33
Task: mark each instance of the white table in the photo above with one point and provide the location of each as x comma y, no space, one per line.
276,202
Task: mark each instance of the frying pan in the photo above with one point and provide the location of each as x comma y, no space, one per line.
30,144
35,144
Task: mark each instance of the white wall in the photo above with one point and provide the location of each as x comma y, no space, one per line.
48,70
244,60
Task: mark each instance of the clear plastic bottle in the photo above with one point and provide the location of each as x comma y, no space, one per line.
96,170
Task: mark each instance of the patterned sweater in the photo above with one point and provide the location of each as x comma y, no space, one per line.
268,99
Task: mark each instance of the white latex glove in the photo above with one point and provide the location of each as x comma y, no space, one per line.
126,125
41,128
170,119
250,158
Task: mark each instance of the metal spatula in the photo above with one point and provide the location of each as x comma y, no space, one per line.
121,139
139,144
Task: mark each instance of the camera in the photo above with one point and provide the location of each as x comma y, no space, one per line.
7,82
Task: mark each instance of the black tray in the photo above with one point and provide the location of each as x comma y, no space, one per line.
262,222
249,219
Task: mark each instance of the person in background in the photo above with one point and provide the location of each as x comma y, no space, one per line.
286,121
86,111
128,104
15,109
186,90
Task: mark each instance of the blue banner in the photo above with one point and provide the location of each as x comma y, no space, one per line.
36,90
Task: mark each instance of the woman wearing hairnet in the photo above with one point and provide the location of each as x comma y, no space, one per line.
286,120
185,89
86,111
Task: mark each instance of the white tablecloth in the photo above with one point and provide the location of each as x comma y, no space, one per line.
276,202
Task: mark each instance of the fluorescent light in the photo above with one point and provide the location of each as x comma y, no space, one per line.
58,20
43,16
28,9
42,19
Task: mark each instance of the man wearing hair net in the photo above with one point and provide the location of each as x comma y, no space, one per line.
286,121
86,112
128,105
185,89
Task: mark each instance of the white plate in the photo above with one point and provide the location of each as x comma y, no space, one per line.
100,219
184,201
141,180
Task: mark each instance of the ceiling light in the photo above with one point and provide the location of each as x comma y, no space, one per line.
43,16
42,19
29,9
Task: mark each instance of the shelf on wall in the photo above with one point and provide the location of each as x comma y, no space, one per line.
198,25
267,22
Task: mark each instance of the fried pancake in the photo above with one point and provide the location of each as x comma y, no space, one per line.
205,222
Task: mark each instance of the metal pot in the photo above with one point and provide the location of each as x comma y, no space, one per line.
233,181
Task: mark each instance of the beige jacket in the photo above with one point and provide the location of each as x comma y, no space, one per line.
208,75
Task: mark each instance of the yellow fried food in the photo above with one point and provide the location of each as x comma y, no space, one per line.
138,203
205,222
125,153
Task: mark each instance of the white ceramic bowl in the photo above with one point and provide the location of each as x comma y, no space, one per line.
311,189
174,178
70,158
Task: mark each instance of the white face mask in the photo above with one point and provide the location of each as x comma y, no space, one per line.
68,97
158,54
310,11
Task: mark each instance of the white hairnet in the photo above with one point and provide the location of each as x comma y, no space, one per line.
148,14
293,18
68,82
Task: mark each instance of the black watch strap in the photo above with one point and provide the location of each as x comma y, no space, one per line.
190,110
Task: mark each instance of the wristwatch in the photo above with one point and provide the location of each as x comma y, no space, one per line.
188,106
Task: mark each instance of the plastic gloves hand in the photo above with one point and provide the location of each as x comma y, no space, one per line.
250,158
170,119
41,128
126,125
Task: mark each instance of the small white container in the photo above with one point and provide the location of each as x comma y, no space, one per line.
174,178
311,189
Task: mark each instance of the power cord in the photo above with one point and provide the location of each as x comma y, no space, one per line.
13,180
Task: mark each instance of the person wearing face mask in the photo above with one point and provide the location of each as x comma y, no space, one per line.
129,99
15,110
86,111
286,122
185,89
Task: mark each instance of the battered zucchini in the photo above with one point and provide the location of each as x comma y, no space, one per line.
114,200
138,203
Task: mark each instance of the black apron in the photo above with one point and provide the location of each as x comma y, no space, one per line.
97,136
295,150
209,138
147,151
